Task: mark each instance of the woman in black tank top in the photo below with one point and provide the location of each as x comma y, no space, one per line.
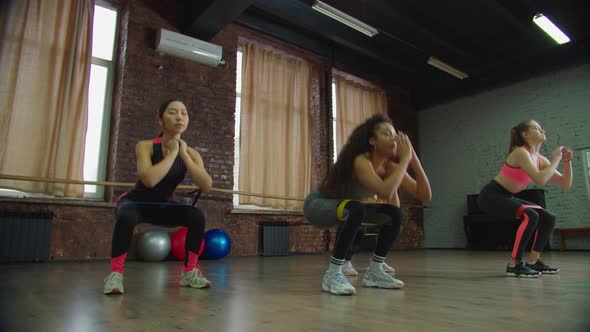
162,163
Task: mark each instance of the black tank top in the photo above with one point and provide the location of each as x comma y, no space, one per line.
164,189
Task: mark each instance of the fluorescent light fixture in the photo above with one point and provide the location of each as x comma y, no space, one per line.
344,18
447,68
551,29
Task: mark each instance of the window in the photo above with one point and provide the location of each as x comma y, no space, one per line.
334,141
274,89
586,158
236,198
359,100
99,98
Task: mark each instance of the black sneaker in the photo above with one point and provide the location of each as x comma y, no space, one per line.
545,269
522,271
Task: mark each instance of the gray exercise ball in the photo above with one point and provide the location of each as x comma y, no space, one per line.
154,245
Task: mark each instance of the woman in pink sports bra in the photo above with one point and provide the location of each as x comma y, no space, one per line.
524,165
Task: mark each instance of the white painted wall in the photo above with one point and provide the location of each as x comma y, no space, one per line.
463,144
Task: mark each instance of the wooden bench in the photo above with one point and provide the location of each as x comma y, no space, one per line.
565,232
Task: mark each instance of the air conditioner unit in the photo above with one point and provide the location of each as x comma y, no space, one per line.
188,48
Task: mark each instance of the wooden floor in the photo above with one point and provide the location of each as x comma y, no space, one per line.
446,290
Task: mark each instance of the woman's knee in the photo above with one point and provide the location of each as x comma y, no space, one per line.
195,217
395,214
547,218
126,215
356,212
532,217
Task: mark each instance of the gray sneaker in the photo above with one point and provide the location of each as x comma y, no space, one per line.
348,269
521,271
194,279
113,284
388,269
543,268
381,280
336,283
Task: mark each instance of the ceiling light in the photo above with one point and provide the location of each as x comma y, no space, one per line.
551,29
344,18
447,68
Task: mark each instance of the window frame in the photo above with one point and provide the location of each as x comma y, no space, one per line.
334,121
586,156
107,108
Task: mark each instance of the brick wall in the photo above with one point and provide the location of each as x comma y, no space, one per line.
77,232
143,79
465,142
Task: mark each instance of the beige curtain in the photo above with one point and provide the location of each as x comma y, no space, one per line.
354,104
275,152
45,55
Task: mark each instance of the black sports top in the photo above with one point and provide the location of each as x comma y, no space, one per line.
164,189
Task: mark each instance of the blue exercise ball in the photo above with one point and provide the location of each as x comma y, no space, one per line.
154,245
217,244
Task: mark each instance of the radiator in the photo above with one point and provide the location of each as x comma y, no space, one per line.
274,238
24,236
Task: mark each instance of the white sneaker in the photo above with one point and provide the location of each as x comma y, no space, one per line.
336,283
348,269
381,280
113,284
388,269
194,279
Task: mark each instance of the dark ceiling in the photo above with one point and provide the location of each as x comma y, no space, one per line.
494,41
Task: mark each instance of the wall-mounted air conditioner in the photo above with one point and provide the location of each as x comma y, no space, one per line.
188,48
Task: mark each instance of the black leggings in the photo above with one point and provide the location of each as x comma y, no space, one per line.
497,201
389,217
170,214
356,243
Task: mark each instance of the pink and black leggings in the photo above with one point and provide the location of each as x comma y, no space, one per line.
535,220
169,214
